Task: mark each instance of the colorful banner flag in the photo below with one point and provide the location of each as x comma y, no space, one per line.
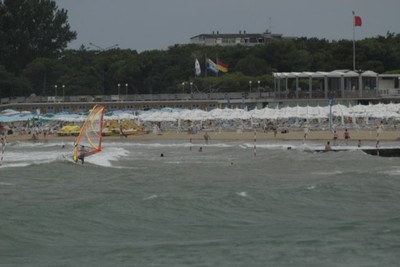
197,68
357,21
211,66
222,66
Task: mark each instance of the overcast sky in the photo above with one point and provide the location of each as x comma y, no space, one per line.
156,24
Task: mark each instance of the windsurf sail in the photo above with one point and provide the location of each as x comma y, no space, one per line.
88,141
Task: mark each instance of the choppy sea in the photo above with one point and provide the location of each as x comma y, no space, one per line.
224,206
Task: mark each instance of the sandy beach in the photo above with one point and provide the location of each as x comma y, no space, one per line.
363,135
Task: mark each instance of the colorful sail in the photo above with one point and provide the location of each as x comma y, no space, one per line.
90,135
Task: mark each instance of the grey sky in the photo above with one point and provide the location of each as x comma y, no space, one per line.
156,24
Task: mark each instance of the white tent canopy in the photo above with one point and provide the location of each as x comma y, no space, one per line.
384,111
321,74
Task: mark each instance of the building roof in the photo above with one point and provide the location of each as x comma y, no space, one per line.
237,35
321,74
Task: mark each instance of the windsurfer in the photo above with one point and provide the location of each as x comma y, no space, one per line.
89,138
81,156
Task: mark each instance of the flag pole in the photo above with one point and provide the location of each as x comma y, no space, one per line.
216,61
354,43
205,66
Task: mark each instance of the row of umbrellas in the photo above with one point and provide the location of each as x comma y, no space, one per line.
384,111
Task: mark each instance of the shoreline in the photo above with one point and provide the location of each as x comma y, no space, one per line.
363,135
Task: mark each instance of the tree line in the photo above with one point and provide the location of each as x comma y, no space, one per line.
33,59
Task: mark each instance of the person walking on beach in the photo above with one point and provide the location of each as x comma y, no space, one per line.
121,132
378,130
306,130
346,136
335,137
206,138
3,148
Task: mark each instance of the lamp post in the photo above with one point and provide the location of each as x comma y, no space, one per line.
191,87
330,103
55,91
101,48
63,87
183,87
126,91
250,82
258,88
119,86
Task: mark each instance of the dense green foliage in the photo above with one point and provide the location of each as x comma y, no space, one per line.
33,59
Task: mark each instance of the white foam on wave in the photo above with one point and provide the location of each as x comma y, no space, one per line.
42,154
48,144
160,145
274,146
23,158
4,183
14,165
174,162
394,172
150,197
242,194
107,156
329,173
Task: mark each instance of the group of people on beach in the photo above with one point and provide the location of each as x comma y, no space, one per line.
346,136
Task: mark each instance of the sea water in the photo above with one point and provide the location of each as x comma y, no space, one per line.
233,204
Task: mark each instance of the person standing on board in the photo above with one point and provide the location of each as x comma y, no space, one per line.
346,136
335,137
81,154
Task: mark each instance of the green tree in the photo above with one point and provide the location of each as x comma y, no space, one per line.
30,29
43,74
10,85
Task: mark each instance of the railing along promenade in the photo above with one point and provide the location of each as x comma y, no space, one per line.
221,100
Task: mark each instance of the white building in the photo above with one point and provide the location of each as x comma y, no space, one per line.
336,84
230,39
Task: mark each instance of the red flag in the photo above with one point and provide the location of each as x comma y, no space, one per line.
222,66
357,21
